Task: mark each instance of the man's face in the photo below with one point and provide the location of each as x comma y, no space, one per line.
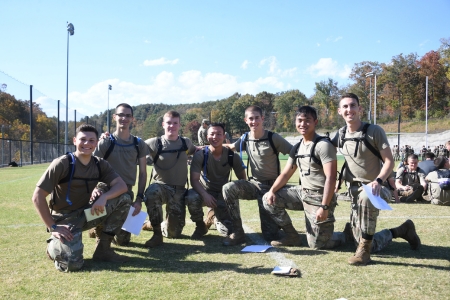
448,147
412,163
171,125
254,120
305,124
215,136
123,117
85,142
349,110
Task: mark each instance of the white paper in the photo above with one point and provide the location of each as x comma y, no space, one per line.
256,248
90,216
134,224
281,270
377,201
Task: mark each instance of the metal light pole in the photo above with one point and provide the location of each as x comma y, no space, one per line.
426,111
375,102
370,74
107,118
3,145
70,31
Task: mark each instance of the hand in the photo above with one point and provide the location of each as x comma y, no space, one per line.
209,200
96,193
62,232
376,187
99,206
270,198
105,135
137,207
321,215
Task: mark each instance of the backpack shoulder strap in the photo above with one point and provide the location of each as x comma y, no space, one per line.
367,144
158,152
270,135
136,145
111,146
205,163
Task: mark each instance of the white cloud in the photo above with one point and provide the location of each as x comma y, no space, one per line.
147,41
274,70
334,39
328,67
160,61
423,43
338,38
245,64
188,87
318,44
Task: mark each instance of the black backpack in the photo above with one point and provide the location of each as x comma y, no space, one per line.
114,142
343,139
243,146
205,162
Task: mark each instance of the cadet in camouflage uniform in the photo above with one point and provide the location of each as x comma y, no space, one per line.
316,194
202,138
125,161
363,166
170,175
207,187
66,219
439,195
264,168
410,181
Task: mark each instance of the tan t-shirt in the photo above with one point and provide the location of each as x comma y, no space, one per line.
79,193
217,171
409,178
365,165
171,168
325,152
123,159
263,160
436,191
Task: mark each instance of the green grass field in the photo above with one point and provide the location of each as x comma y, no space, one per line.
186,269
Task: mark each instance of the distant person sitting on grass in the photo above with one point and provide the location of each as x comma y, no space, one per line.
410,181
71,193
440,182
427,165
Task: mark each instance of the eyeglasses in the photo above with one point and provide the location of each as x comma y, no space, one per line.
124,115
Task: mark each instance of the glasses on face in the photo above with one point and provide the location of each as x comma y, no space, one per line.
128,116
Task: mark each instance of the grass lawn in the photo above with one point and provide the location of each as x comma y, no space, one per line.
186,269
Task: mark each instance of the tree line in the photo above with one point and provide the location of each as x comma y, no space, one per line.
400,89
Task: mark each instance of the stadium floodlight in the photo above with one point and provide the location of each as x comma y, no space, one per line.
371,74
70,31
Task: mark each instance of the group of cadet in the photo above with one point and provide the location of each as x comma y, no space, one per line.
81,180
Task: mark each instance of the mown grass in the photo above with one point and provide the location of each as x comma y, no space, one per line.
186,269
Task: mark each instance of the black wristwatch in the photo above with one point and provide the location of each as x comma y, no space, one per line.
325,207
141,196
379,180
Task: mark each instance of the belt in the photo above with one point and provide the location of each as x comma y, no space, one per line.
264,182
312,191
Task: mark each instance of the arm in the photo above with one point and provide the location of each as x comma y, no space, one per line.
386,170
209,200
330,170
231,146
142,181
281,181
61,232
241,175
118,187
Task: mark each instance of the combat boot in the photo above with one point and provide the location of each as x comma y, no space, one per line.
292,238
104,252
147,226
348,232
156,240
238,235
362,254
200,230
407,231
210,218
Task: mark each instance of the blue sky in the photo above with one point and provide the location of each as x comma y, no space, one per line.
194,51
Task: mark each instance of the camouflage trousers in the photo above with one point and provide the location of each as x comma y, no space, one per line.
251,190
320,235
413,194
195,206
363,218
68,255
158,194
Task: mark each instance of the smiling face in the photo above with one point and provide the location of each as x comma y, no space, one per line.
171,126
215,136
305,124
349,109
85,142
254,120
123,117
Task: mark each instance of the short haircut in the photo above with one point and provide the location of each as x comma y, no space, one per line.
216,125
350,95
254,109
173,114
413,156
429,155
306,110
440,161
86,128
126,105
